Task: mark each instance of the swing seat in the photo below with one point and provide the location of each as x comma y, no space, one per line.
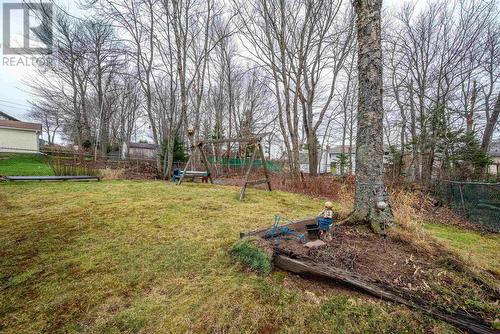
190,174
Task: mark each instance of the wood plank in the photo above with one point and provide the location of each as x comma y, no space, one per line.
256,182
205,162
307,267
263,231
53,178
195,173
185,168
264,166
245,181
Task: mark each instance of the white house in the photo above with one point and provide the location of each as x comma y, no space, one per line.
494,152
17,136
330,161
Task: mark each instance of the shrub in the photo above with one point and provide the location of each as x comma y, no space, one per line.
255,258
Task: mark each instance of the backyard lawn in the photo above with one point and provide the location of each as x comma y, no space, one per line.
483,250
24,164
151,257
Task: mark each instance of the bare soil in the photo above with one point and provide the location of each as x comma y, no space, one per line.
398,265
376,258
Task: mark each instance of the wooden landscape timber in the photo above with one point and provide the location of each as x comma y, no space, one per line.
308,268
53,178
262,231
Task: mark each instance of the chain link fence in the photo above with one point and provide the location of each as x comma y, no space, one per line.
242,163
479,202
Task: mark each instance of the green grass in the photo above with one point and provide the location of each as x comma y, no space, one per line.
152,257
480,249
251,255
24,165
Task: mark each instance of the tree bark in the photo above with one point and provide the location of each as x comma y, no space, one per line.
312,150
490,125
470,113
414,138
369,185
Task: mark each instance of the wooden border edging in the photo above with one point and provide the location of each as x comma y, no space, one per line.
459,319
263,230
53,178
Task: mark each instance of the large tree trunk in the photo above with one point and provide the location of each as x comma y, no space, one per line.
312,148
369,187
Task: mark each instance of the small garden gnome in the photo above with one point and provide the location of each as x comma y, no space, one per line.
325,219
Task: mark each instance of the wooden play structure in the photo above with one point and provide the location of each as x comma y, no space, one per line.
254,141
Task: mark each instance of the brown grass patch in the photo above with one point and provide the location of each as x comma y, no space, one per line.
112,174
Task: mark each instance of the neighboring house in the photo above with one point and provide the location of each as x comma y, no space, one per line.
17,136
5,117
42,142
329,161
138,151
494,152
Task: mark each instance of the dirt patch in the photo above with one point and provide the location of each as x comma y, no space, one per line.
379,259
396,264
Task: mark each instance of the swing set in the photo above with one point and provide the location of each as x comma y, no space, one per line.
254,141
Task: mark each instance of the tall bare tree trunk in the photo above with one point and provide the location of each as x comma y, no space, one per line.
312,152
414,138
470,113
490,125
371,200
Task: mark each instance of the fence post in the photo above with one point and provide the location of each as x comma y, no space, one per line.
462,199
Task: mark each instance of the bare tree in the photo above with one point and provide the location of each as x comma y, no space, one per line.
102,56
50,119
302,45
491,68
63,82
176,64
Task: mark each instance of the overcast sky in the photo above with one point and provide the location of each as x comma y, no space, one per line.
14,92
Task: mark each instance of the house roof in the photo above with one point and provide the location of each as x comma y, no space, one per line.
338,149
8,117
20,125
142,145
